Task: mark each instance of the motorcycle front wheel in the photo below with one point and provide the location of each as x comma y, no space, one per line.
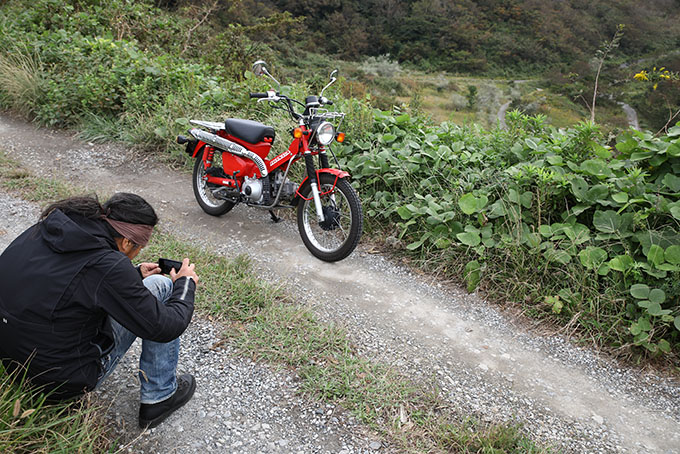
337,236
204,192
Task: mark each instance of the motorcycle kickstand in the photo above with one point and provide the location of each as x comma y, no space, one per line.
275,218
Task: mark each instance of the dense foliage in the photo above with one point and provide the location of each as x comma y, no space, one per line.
552,218
517,36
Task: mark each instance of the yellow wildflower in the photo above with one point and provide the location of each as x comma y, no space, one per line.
655,85
641,76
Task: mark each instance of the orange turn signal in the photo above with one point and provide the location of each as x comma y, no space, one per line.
297,133
340,137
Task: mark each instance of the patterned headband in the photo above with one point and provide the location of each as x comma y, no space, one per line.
137,233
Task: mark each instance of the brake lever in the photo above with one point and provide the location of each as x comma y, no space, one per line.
273,98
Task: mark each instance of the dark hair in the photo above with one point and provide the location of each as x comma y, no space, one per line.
122,206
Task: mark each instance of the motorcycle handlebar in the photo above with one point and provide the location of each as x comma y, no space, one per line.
259,95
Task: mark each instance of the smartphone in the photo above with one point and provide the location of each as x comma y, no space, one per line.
166,265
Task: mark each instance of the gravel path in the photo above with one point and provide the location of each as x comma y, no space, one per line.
486,364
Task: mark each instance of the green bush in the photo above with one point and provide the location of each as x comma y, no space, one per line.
580,231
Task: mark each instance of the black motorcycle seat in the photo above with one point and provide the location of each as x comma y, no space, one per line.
248,130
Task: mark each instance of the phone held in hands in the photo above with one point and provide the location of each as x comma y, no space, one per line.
167,264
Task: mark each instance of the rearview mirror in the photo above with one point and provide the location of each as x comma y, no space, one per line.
259,67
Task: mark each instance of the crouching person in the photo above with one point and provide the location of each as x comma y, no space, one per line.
72,303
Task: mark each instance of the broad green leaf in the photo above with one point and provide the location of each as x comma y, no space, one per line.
664,346
404,213
675,212
676,322
545,230
620,197
639,291
598,193
470,204
592,257
442,243
672,254
601,152
654,309
472,275
596,167
415,245
554,160
558,256
513,196
655,254
531,144
672,182
578,209
656,295
644,323
578,233
496,210
525,199
641,156
607,221
621,263
388,138
405,118
635,329
668,267
579,187
469,238
533,240
674,150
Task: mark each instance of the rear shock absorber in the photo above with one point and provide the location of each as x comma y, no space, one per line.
210,155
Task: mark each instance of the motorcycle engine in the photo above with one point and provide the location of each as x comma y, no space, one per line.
288,186
252,189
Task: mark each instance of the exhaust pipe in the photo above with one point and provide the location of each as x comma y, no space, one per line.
232,147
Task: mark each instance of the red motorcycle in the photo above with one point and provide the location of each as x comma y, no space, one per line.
232,167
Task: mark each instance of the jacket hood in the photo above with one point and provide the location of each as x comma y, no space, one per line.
71,233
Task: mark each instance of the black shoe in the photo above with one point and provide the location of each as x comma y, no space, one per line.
151,415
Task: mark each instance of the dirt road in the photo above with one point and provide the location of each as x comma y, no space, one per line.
484,363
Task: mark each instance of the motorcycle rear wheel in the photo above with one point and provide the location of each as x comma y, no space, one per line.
336,237
203,192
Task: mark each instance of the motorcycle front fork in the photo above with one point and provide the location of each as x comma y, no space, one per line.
314,183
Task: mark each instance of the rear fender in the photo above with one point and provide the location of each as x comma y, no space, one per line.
194,147
337,173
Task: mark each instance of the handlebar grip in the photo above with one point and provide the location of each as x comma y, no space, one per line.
329,102
259,95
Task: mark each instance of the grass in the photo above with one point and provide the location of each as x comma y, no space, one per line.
20,78
29,424
30,187
265,324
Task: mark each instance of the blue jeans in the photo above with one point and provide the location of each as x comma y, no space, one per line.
158,361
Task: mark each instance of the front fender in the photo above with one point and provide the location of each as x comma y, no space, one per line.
336,172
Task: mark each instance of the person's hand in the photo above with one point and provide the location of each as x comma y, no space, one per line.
149,269
187,270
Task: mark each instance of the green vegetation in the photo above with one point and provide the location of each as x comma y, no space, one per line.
572,230
30,425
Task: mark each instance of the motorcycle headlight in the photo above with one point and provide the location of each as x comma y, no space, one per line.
325,133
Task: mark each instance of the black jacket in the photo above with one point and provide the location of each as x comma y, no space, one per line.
59,282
